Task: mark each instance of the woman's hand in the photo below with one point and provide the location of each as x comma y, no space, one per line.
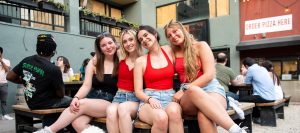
74,107
154,103
177,96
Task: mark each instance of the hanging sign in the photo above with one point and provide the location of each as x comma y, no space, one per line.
271,24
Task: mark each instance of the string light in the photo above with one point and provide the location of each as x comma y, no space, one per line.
287,9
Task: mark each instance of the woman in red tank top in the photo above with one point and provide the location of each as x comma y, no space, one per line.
201,94
156,68
125,104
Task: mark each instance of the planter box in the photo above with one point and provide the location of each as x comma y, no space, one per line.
89,17
123,25
50,7
28,3
108,21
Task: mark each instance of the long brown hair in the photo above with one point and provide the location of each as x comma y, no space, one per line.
191,57
269,66
100,57
66,63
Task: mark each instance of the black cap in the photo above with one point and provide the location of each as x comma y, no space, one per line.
45,45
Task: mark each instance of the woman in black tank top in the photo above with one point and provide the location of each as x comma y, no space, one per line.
98,89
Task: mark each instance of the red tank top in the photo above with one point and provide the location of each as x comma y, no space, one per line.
179,67
159,79
125,78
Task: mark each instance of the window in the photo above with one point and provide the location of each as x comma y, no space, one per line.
287,68
165,14
191,9
199,30
32,17
218,8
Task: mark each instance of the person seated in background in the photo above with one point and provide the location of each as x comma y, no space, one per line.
263,87
278,90
241,78
82,68
65,68
44,87
225,75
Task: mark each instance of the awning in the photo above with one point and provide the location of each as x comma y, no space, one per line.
269,43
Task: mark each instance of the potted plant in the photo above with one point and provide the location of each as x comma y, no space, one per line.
108,20
89,15
28,3
52,6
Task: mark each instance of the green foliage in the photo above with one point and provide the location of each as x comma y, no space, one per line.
133,25
59,5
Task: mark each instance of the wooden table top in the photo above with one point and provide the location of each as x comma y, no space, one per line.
73,82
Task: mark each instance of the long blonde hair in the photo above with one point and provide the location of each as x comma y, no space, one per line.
191,62
132,33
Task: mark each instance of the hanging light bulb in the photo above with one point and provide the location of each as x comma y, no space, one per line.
287,9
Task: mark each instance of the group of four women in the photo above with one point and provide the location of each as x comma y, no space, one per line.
121,85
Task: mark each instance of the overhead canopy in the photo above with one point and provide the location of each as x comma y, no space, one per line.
269,43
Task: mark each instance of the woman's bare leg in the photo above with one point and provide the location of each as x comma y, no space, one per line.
126,112
112,118
210,107
158,118
174,112
90,107
81,123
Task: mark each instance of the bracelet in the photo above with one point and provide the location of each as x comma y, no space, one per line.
148,99
76,97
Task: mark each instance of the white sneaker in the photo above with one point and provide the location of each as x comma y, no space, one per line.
7,117
44,130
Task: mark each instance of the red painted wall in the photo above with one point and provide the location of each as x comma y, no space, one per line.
257,9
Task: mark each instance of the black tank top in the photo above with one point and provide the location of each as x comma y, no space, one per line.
109,84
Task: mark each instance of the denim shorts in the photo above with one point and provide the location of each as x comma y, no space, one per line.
216,87
121,97
99,94
164,96
63,102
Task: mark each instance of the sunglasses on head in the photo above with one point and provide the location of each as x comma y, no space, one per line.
103,34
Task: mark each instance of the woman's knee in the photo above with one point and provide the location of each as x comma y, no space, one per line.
112,112
123,111
194,90
161,120
76,124
174,112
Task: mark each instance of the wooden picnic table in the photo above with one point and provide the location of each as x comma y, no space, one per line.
72,87
243,89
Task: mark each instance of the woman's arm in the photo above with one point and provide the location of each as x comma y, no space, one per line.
138,73
207,64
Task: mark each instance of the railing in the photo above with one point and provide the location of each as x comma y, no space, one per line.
32,17
95,28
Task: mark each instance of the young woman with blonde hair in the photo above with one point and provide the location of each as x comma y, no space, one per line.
125,104
200,94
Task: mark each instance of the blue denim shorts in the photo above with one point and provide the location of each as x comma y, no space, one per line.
216,87
164,96
121,97
99,94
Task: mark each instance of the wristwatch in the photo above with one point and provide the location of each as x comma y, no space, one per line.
184,86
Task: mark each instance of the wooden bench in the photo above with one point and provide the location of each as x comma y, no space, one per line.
24,117
270,111
141,127
287,100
